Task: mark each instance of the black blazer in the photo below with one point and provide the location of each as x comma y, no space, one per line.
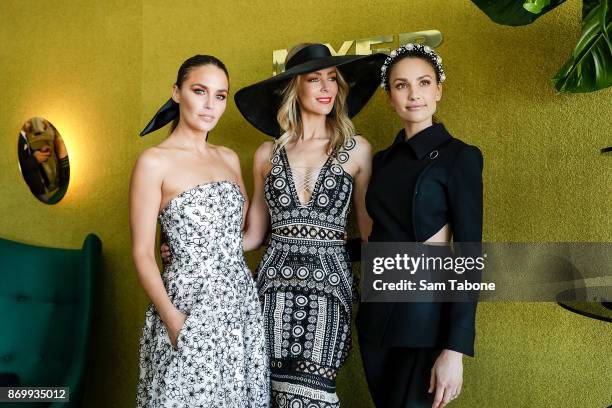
448,190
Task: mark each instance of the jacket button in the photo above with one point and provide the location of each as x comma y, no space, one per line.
433,154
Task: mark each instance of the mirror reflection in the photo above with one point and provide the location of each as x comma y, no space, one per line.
43,160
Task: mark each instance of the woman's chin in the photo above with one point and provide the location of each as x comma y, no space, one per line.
416,117
203,126
319,110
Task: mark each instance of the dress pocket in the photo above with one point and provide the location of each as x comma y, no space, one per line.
183,333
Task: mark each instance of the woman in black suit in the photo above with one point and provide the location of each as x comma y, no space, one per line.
425,187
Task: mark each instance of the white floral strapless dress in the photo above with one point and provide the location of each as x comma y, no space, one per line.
220,360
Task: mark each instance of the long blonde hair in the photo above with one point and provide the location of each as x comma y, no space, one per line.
338,124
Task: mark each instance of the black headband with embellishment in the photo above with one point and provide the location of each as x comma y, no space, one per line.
411,49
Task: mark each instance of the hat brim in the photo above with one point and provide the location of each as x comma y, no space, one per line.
259,103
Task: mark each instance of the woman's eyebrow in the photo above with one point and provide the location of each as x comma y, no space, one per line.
207,87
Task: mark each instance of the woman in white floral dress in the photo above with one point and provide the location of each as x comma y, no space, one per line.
202,343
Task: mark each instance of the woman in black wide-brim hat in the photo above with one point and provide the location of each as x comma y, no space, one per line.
304,181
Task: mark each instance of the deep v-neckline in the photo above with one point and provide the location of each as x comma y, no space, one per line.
315,188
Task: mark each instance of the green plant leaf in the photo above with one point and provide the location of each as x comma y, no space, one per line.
535,6
587,6
512,12
590,66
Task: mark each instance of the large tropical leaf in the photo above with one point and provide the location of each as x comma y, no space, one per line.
587,6
590,67
515,12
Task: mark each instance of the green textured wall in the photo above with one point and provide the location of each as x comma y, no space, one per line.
99,70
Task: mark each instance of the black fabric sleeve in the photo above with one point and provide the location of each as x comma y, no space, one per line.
465,191
30,168
27,161
64,171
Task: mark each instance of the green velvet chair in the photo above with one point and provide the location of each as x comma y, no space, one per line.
45,314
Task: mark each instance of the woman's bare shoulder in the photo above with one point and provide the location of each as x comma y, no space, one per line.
263,152
361,143
265,149
362,149
226,153
152,157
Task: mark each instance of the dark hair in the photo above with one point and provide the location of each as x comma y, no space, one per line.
190,64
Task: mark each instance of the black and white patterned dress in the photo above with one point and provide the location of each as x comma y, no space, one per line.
305,283
221,359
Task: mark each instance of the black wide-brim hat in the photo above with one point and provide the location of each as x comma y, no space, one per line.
259,103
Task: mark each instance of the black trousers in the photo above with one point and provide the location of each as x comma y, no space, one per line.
398,377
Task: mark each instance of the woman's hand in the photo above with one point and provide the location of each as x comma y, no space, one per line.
42,156
174,323
165,252
446,377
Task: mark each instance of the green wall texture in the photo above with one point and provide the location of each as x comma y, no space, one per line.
99,70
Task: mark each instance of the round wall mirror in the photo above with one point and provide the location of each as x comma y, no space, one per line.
43,160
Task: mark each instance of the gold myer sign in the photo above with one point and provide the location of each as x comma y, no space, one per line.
366,46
